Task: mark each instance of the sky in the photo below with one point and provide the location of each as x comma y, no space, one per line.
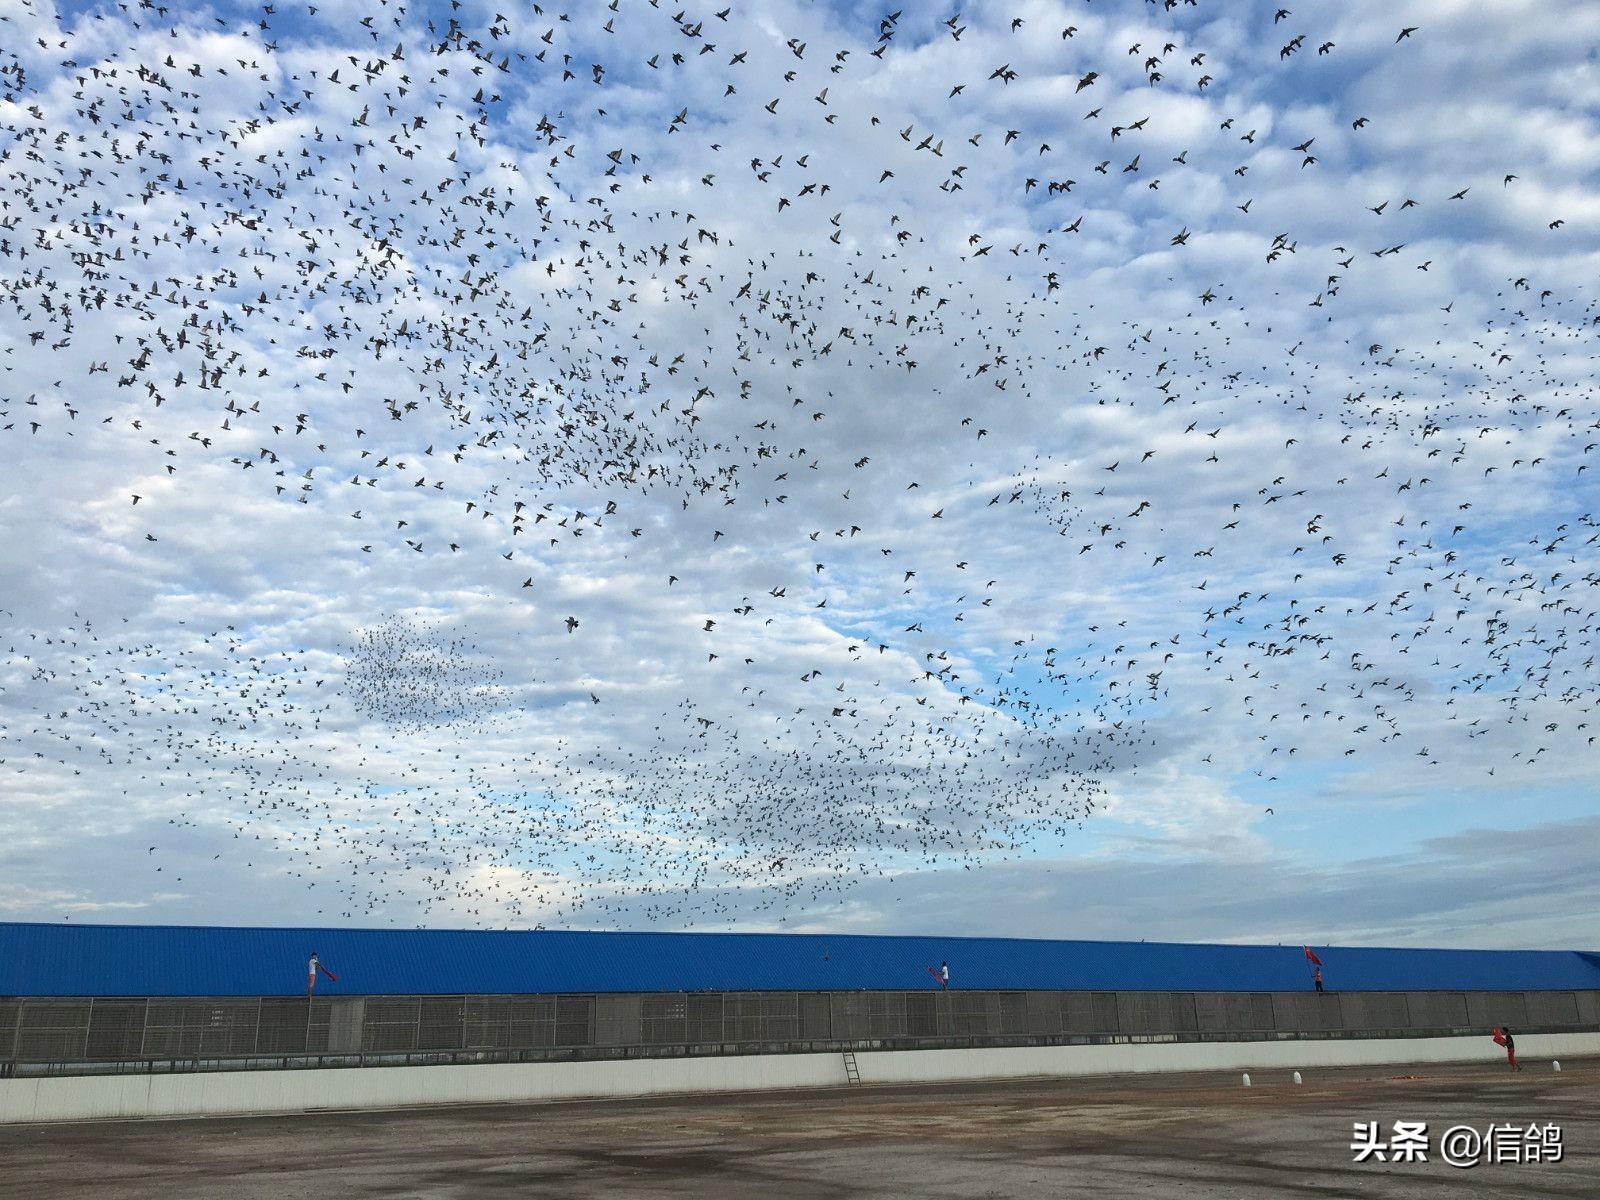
1085,469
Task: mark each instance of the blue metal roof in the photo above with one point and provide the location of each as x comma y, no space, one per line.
188,960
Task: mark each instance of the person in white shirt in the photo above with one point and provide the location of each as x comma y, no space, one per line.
312,969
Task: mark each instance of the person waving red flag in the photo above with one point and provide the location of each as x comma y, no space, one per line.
1316,967
1502,1037
312,968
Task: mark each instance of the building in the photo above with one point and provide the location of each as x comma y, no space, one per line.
594,1013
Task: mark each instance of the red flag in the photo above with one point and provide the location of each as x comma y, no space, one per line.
1312,955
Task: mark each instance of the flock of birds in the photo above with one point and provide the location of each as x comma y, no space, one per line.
455,294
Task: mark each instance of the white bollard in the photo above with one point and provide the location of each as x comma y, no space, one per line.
1247,1079
1297,1077
1555,1066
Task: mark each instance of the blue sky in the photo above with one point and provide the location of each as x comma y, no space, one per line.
1219,566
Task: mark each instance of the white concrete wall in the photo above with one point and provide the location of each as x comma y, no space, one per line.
90,1097
210,1093
921,1066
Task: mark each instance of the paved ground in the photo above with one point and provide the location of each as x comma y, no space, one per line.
1184,1136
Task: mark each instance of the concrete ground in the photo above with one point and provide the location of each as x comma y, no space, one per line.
1171,1135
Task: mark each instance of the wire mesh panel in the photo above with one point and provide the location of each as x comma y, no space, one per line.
1438,1010
1376,1010
703,1017
1260,1009
1588,1008
969,1013
863,1016
172,1031
617,1020
761,1017
742,1017
816,1016
52,1030
922,1014
1010,1013
533,1022
1233,1012
1330,1012
665,1020
780,1016
1077,1013
574,1021
1209,1013
986,1014
848,1012
486,1023
1089,1012
886,1014
439,1023
1148,1012
234,1026
292,1026
68,1031
1306,1012
116,1029
1043,1012
1180,1010
8,1029
390,1026
1487,1009
199,1028
1105,1011
1551,1008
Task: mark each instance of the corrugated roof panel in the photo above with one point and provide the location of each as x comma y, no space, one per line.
178,960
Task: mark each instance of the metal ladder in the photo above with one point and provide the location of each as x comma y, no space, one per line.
852,1073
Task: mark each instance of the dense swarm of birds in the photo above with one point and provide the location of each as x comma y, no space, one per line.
463,283
412,677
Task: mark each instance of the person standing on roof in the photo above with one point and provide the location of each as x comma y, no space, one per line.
312,968
944,975
1316,963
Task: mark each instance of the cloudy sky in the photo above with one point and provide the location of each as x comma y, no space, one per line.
1090,469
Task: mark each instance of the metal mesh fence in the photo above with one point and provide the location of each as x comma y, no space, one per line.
481,1028
8,1030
